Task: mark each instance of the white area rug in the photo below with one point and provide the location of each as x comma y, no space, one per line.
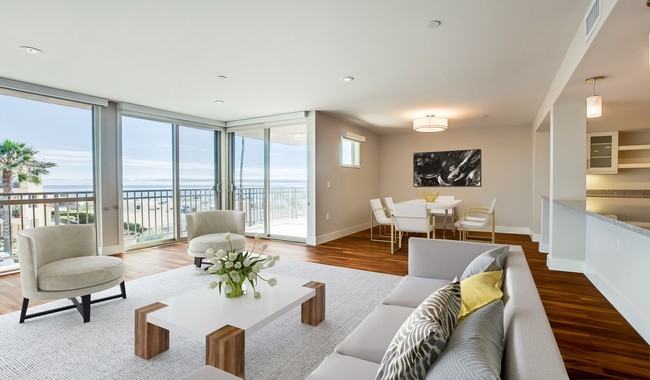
61,346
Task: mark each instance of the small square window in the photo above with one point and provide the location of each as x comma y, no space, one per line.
350,153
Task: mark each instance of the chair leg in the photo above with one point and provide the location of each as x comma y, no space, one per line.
82,307
23,311
85,308
197,261
123,289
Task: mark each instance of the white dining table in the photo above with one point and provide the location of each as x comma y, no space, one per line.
441,205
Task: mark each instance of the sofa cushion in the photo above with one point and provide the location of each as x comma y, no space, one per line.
423,336
216,241
79,272
337,366
488,261
411,291
373,335
475,349
479,290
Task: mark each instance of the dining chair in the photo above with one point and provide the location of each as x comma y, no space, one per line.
389,203
411,217
378,214
445,213
477,218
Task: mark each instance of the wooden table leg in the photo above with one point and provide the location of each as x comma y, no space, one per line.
150,340
225,349
313,310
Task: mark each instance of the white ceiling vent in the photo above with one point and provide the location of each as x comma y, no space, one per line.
592,19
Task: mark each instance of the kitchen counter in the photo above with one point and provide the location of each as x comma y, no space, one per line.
629,213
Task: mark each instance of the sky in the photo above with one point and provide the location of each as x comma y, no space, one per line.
63,134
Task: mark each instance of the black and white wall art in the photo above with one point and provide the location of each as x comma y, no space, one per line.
452,168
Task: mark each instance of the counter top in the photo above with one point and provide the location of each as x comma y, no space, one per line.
630,213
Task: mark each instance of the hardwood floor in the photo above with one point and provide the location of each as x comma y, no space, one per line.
596,342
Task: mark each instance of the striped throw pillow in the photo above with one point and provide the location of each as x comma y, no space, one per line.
422,337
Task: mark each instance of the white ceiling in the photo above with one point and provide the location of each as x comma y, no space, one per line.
620,53
494,58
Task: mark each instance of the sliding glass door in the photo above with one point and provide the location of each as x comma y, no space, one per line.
249,179
269,179
198,172
288,181
168,171
147,181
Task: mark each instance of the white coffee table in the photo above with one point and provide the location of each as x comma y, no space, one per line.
205,315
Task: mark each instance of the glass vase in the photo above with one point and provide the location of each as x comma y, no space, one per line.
238,289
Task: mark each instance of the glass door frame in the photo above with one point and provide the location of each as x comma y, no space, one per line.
175,124
231,150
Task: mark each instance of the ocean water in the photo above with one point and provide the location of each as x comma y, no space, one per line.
159,186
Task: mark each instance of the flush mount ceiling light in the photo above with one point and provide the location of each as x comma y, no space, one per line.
347,79
594,102
219,101
430,124
31,49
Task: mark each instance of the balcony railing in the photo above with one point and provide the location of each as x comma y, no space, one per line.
148,213
19,211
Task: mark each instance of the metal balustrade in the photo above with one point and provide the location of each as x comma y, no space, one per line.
148,213
19,211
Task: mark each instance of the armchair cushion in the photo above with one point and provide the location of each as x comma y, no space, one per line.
216,241
79,272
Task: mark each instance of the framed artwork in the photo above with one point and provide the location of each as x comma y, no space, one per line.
452,168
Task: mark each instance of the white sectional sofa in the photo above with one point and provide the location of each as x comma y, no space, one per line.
530,351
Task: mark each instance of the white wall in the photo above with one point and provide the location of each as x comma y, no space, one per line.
567,182
541,182
617,263
109,206
347,200
506,170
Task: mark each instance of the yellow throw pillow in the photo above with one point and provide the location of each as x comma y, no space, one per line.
479,290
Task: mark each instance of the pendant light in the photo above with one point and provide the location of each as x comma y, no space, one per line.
594,102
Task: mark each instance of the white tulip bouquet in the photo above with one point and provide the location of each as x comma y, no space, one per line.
235,268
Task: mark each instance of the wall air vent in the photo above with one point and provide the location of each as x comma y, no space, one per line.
592,19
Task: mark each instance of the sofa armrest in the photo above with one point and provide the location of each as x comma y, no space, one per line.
442,259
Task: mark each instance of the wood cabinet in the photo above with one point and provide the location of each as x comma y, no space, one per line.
606,156
602,152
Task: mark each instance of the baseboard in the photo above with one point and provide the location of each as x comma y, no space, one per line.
111,250
513,230
341,233
627,308
565,265
536,237
543,247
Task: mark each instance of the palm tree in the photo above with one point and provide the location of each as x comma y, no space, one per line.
18,161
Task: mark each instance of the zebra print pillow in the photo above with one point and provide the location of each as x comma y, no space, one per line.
422,337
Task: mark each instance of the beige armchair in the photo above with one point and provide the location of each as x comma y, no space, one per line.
207,229
62,262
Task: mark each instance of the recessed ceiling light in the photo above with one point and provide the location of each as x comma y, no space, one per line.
433,24
222,77
31,49
347,79
219,101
